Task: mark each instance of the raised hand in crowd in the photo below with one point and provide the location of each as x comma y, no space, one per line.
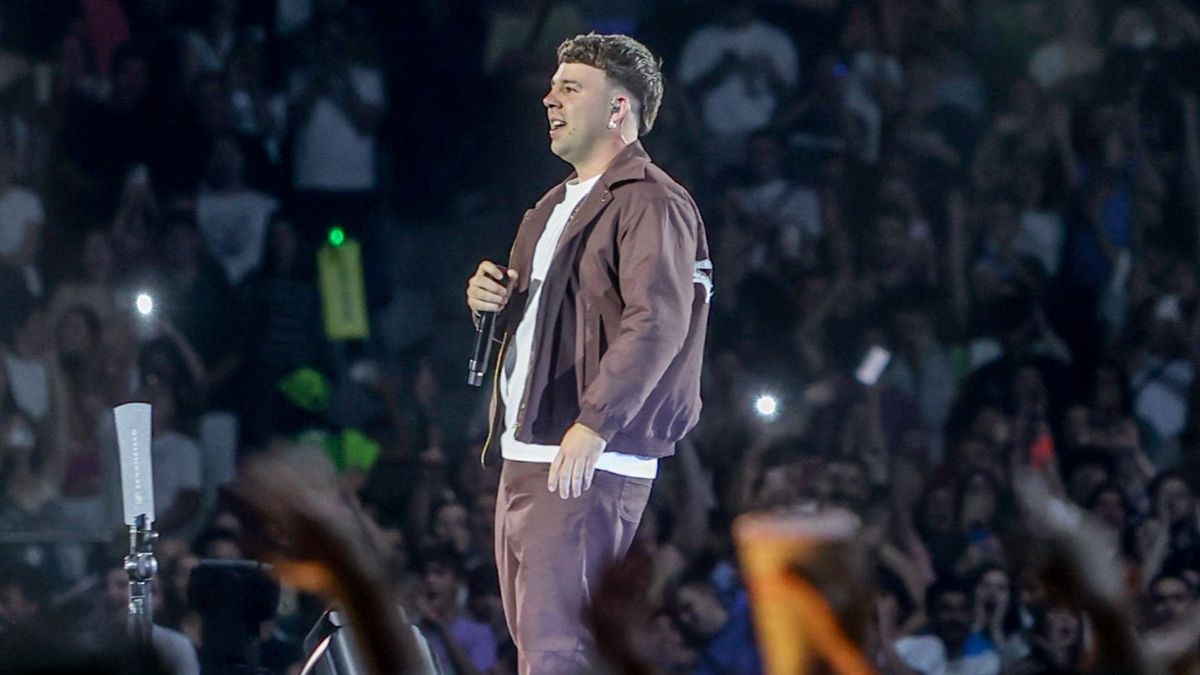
315,541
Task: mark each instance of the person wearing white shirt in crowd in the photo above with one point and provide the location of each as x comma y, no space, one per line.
106,623
21,218
784,217
949,647
740,70
1163,376
1074,53
22,350
231,217
175,458
336,105
209,47
873,80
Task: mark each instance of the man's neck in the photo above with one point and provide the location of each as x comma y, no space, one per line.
599,161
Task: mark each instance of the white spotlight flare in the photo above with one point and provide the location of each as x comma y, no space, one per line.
766,405
145,304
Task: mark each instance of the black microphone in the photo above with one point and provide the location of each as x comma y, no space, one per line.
483,348
483,342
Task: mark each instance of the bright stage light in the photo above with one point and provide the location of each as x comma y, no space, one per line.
144,304
766,405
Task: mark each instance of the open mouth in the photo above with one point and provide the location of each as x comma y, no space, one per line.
556,125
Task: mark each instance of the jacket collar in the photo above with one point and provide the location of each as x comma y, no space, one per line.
629,164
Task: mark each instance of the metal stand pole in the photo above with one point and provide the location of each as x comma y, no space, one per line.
141,566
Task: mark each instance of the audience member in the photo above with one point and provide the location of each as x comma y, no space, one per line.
949,645
740,70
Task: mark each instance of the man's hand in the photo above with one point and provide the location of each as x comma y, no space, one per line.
574,466
489,289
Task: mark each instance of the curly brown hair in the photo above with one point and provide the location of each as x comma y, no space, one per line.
625,61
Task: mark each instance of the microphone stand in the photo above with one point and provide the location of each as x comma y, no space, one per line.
141,566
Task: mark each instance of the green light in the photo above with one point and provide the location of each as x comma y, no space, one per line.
337,237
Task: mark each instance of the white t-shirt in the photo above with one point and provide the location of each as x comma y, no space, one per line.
927,655
20,210
30,384
1052,63
175,461
176,651
210,56
1041,237
234,225
515,373
1161,397
331,153
868,71
292,15
793,211
741,103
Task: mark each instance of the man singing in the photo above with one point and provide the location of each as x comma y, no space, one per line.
602,309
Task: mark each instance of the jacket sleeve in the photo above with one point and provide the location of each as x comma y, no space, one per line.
657,252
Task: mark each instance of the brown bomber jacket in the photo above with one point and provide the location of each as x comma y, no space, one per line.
620,333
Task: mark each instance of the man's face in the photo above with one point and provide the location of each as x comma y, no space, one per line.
847,482
440,580
992,589
1062,627
1170,599
397,550
1110,508
452,525
578,108
1085,480
1175,499
951,618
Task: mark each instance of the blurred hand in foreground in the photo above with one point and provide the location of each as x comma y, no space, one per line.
316,540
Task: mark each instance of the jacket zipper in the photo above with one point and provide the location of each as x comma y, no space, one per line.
495,407
504,341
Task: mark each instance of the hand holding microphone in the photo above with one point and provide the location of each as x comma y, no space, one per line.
490,288
488,292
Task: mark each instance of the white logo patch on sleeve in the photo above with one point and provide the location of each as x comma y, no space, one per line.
702,274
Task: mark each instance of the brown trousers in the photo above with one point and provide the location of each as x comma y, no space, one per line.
551,552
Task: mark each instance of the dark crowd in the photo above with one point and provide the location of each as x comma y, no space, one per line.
1002,194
